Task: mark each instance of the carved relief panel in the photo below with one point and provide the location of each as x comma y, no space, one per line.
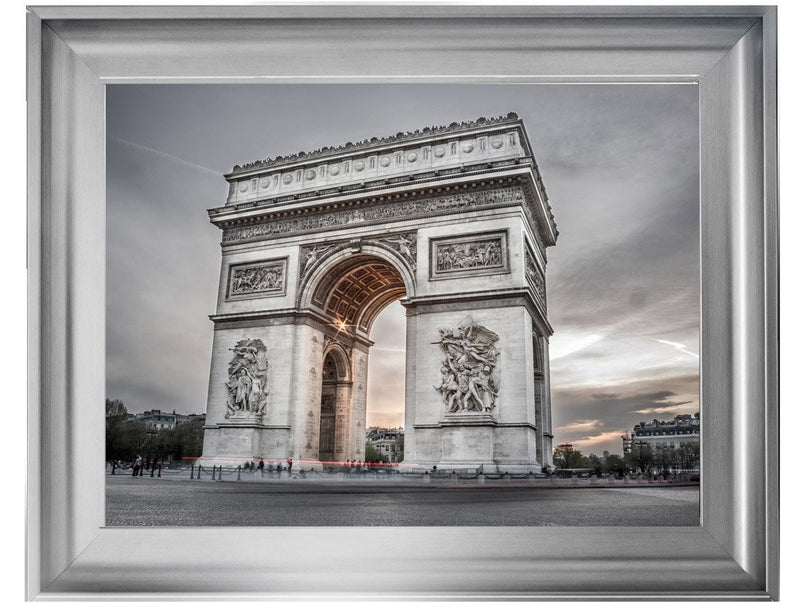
257,279
471,255
534,275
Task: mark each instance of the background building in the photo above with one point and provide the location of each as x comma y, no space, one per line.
388,442
156,419
684,429
665,445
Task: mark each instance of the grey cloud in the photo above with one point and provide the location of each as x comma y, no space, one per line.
620,410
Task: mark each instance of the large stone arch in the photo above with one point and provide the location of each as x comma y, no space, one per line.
452,221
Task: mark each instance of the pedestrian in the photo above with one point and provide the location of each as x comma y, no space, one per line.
290,466
279,470
261,465
137,466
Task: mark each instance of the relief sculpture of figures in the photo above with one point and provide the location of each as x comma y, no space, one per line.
534,274
255,279
311,257
247,388
406,245
470,379
469,255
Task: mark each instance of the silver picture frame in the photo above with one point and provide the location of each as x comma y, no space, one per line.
728,52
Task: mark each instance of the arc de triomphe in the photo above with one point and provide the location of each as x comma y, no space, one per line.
454,222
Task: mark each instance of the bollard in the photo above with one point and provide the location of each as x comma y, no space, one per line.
153,469
192,472
238,473
199,472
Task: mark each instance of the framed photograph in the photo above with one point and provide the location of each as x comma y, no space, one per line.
86,64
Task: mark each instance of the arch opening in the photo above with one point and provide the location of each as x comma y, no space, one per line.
385,399
352,292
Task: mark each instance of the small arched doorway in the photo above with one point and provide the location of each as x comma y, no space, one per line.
336,387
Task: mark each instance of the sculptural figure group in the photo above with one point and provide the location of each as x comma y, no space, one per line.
469,255
469,377
247,387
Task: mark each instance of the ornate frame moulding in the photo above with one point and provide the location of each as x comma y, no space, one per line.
729,52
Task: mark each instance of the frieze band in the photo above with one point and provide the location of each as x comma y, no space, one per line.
410,208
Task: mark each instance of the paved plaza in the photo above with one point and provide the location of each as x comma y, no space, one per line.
150,501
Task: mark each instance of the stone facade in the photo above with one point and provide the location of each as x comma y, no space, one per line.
454,222
683,429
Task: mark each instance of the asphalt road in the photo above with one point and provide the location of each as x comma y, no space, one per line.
154,502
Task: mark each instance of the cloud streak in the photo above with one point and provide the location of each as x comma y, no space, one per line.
678,346
164,155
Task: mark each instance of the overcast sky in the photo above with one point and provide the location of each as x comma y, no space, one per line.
620,165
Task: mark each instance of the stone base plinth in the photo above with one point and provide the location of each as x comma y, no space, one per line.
236,441
468,418
472,442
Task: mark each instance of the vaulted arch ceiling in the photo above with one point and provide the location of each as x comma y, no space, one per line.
357,289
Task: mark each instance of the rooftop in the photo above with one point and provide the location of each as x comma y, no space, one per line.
368,144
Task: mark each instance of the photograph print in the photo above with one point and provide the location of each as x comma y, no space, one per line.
402,305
